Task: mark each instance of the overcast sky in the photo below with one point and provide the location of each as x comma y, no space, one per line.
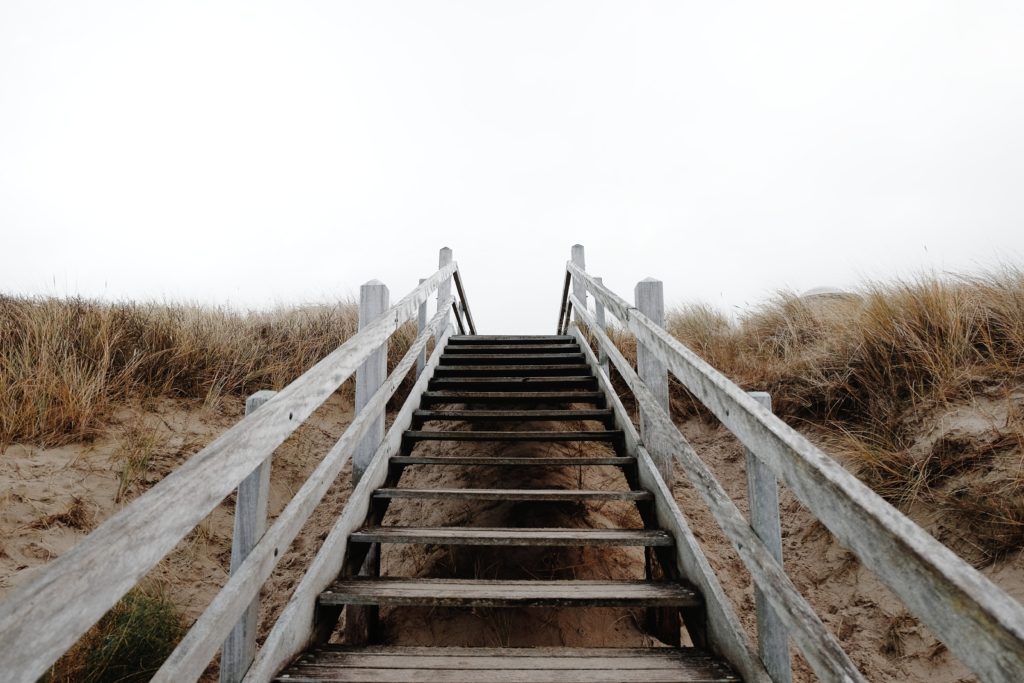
257,153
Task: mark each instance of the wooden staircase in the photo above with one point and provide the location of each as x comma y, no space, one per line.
504,381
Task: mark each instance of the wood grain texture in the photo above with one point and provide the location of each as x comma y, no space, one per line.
488,593
512,537
45,616
250,525
725,633
499,461
550,495
197,648
602,435
293,630
822,651
373,303
979,622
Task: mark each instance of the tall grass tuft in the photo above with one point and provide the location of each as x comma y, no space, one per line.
65,362
128,644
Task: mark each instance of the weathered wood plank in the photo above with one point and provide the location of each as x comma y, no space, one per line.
597,415
603,435
487,593
725,633
435,397
512,383
540,350
551,495
822,651
650,298
45,616
510,370
293,630
373,302
498,461
510,339
197,648
512,536
250,525
305,675
979,622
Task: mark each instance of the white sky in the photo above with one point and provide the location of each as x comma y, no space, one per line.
255,153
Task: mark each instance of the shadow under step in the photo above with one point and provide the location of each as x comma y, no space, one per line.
603,435
503,397
515,593
550,495
392,664
488,536
614,461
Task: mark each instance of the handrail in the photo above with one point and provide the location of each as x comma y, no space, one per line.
42,618
465,302
200,644
980,623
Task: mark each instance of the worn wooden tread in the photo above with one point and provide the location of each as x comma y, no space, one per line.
513,593
559,370
512,349
432,397
512,358
601,414
425,435
493,536
554,495
514,383
507,665
614,461
511,339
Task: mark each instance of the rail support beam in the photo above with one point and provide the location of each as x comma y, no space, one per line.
579,287
763,496
374,300
250,524
649,295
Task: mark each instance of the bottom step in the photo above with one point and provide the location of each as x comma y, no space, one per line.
507,665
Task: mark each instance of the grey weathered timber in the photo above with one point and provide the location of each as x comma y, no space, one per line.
487,593
43,617
508,665
510,339
512,383
421,322
605,435
763,499
373,302
450,396
250,524
196,649
501,461
603,324
544,350
512,537
822,651
514,370
579,288
650,298
599,414
293,630
553,495
510,359
725,633
444,289
465,302
979,622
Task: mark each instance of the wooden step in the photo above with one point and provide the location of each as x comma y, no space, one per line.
515,339
513,359
473,416
422,435
512,383
544,495
615,461
397,664
488,593
512,537
581,370
505,397
545,350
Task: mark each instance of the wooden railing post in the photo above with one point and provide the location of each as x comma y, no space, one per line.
250,524
421,322
444,290
373,301
603,324
763,497
579,287
650,300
